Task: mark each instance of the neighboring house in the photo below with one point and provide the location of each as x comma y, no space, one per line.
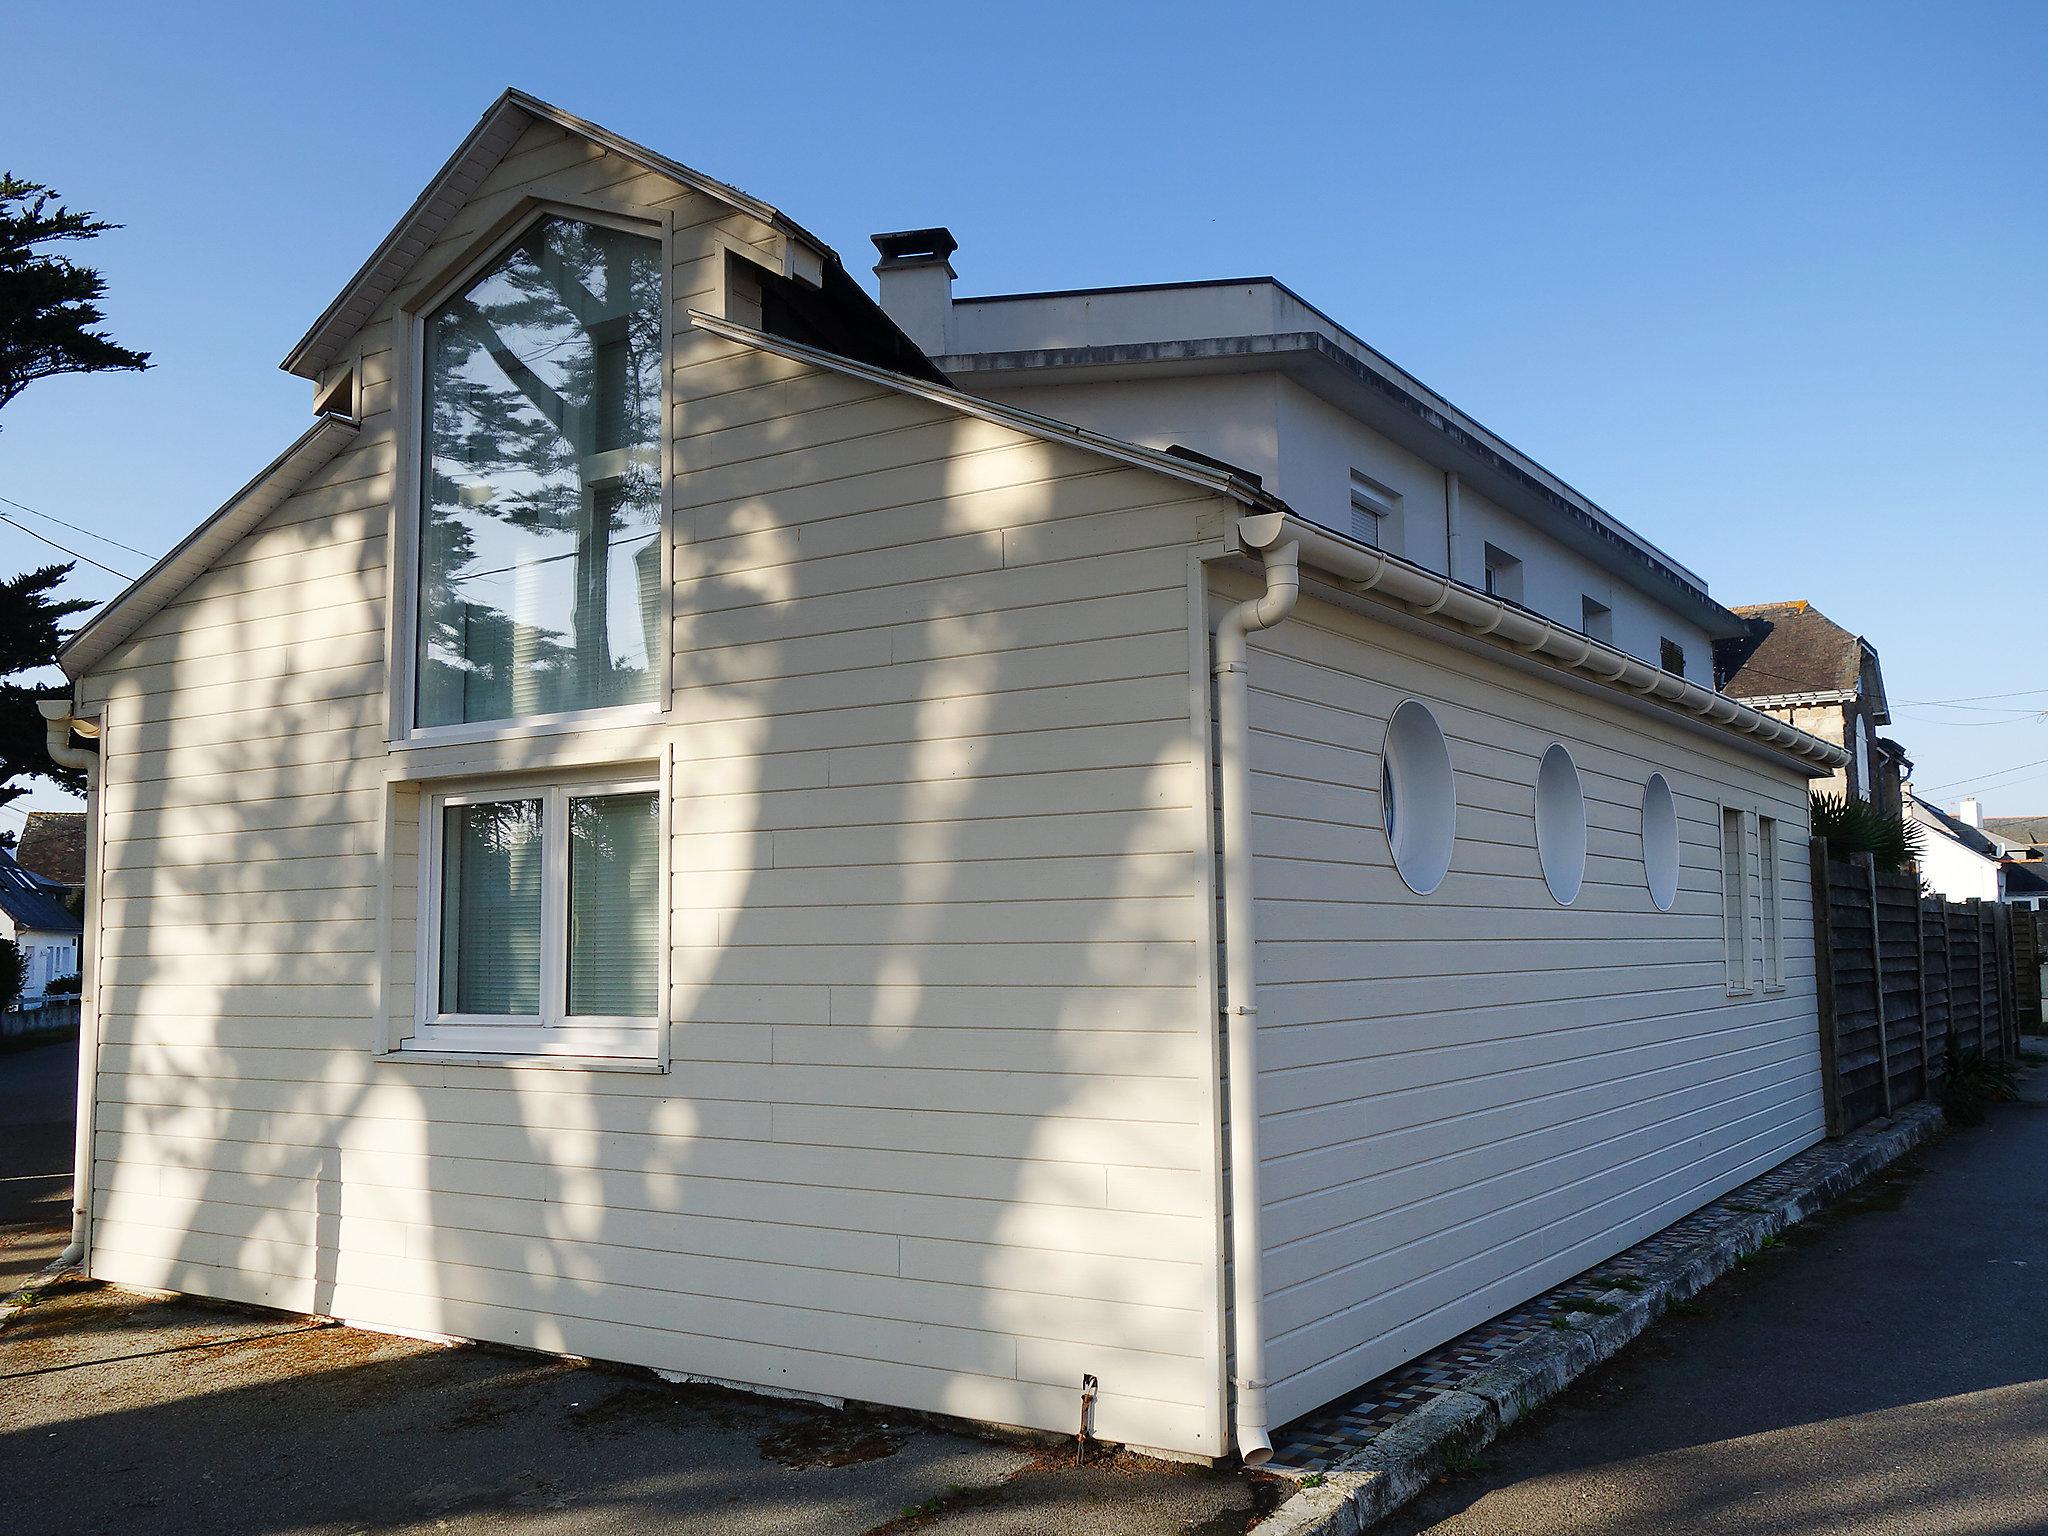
1250,374
749,902
1799,665
32,913
52,845
2022,883
1956,859
2019,836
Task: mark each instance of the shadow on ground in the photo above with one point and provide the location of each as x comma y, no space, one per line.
195,1416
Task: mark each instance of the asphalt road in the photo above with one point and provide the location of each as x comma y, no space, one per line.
1884,1370
36,1098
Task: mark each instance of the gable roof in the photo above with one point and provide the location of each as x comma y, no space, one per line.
53,845
2020,831
32,901
149,593
452,186
1793,650
1955,829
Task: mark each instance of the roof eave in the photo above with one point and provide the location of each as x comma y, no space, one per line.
495,132
151,592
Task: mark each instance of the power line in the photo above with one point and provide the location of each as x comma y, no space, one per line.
77,528
1978,698
1985,778
67,549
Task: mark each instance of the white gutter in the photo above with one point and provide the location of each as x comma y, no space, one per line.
1430,594
1240,962
58,726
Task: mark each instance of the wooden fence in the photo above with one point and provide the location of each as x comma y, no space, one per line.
1898,974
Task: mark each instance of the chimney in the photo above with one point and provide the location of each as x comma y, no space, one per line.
917,285
1970,813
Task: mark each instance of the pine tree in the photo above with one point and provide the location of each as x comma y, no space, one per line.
49,314
49,306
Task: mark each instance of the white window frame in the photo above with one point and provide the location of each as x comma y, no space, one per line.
1735,900
402,624
1770,903
553,1032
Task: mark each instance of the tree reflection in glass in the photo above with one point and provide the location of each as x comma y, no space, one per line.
541,483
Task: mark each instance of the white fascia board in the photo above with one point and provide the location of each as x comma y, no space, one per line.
456,182
162,582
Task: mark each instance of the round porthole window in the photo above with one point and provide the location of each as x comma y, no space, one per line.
1561,825
1418,799
1660,842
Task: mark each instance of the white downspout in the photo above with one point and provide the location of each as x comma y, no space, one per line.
1240,960
58,725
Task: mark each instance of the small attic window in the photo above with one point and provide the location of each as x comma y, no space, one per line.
337,397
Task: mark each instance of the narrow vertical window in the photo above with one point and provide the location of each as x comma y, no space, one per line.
1503,574
1596,619
490,908
1735,899
540,488
1671,656
1767,876
1374,512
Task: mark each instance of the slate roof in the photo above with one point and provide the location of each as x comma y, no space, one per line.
32,901
1958,829
1792,648
2024,831
2023,879
53,845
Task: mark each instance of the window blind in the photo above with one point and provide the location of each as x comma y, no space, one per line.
490,908
614,904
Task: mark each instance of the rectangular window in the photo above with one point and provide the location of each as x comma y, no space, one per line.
1767,875
540,481
1375,512
1671,656
1596,620
546,908
1503,574
1735,899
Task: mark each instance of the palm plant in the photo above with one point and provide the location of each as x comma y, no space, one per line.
1851,827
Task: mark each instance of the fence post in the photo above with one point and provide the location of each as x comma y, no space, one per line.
1824,987
1948,989
1884,1046
1920,980
2008,1018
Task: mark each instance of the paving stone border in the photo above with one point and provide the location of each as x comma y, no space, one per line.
1357,1491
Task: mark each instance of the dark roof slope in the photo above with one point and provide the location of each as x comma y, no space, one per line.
53,845
1792,648
1960,830
2031,831
2022,879
32,901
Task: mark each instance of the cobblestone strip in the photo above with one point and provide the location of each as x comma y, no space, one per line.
1406,1437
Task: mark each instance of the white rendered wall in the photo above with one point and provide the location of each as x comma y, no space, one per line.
1305,450
1949,869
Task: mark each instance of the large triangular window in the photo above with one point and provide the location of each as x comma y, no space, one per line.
540,485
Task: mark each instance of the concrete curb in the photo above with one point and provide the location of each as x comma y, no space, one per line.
14,1304
1364,1489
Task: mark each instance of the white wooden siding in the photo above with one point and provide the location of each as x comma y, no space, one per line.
1470,1096
940,1126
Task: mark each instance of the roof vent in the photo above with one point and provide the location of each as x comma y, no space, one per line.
915,247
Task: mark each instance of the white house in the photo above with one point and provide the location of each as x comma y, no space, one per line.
33,915
1957,859
669,826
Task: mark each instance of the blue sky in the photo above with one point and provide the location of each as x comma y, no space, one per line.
1767,281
